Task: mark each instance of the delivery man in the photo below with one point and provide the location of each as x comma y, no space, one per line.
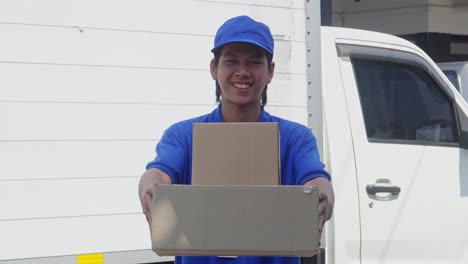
242,68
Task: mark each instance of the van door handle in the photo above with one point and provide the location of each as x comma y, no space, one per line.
374,189
383,190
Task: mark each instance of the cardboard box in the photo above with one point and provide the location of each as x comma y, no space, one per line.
244,153
235,220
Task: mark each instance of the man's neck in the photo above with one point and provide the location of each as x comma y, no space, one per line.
234,113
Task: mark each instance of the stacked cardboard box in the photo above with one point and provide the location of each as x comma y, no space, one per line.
235,205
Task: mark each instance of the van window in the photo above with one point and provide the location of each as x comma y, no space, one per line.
453,78
402,103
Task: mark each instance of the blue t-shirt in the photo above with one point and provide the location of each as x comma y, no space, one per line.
300,162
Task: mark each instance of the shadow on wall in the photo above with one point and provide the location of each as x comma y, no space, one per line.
464,172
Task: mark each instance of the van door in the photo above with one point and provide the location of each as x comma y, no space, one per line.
412,172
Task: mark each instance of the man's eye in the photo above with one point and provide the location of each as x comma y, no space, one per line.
257,62
230,61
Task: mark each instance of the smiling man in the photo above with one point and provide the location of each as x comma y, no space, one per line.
242,68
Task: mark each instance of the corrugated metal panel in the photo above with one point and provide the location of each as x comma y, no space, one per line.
47,237
87,89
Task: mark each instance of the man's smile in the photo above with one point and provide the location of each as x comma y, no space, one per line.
242,85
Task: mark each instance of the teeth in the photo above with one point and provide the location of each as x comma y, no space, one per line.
242,85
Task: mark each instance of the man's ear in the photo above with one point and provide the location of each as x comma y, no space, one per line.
272,71
213,70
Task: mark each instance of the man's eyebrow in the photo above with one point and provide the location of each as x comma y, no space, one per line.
256,55
230,54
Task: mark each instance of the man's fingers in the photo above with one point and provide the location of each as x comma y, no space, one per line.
147,201
323,203
322,196
321,223
147,204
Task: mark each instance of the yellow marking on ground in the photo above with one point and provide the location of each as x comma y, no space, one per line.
97,258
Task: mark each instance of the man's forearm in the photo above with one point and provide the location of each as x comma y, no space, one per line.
152,177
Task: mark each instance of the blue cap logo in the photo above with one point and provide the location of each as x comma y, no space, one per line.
244,29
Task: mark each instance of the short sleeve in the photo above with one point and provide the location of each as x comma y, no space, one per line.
307,164
171,154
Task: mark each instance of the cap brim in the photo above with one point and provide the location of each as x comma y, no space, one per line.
242,41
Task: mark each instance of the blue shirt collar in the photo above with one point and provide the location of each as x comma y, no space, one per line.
218,116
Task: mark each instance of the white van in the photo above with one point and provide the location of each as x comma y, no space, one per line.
395,142
87,89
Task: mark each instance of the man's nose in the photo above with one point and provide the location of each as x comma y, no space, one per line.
243,70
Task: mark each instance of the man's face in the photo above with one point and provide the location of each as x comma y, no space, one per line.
242,73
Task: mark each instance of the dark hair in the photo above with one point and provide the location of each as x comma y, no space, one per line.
217,56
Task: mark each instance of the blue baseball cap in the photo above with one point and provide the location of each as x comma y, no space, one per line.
244,29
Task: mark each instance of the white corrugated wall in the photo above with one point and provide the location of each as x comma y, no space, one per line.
86,91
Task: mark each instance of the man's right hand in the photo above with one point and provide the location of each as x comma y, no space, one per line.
150,178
